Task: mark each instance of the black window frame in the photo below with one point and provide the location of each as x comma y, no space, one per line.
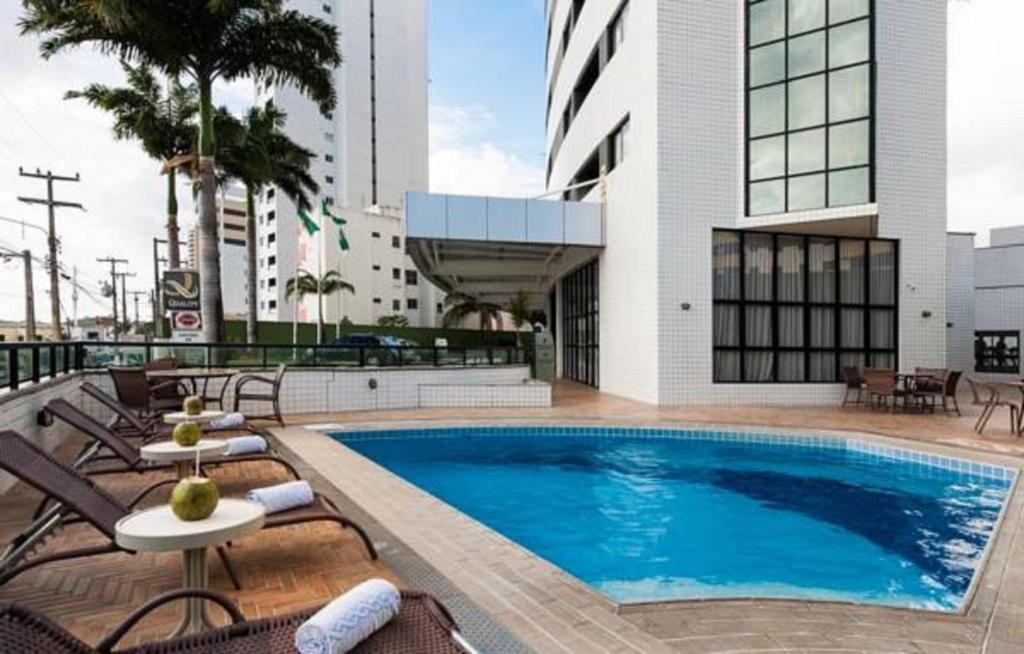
412,277
581,326
828,123
837,305
1013,356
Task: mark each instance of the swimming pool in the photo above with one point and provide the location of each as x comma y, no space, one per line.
669,514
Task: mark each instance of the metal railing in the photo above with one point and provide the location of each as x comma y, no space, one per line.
22,363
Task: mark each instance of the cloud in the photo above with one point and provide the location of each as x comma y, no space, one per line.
463,160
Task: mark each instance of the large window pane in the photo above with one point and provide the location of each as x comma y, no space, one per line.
851,272
849,94
727,325
823,328
806,15
727,366
726,265
883,272
759,366
791,367
768,110
843,10
848,187
768,64
849,144
790,269
767,21
822,261
883,329
807,54
823,367
849,44
851,328
758,260
768,157
806,151
806,192
807,102
791,326
759,326
768,197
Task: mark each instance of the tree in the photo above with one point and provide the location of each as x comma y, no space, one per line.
519,309
206,41
305,283
393,321
256,152
462,305
164,124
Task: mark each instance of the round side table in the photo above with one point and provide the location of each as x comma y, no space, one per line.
200,418
183,457
159,530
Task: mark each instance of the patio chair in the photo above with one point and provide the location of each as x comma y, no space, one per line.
880,385
272,395
79,500
128,453
938,385
423,626
989,403
854,382
134,390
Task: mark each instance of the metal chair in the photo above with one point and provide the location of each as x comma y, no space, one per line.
273,396
135,391
990,404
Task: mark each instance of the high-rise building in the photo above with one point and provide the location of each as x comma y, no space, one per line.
231,232
370,151
774,186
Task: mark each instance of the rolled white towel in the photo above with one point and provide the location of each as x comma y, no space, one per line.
227,421
350,619
246,445
282,497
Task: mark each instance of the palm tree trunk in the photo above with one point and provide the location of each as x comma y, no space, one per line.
209,247
250,265
173,254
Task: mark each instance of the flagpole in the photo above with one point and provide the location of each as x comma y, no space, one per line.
319,279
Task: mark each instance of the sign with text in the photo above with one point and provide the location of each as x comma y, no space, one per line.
181,290
186,320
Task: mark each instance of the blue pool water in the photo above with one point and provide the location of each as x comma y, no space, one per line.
679,515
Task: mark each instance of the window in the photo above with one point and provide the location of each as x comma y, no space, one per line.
396,241
376,300
810,124
396,305
375,234
329,158
329,200
580,326
272,305
618,144
997,352
270,193
272,282
271,261
440,307
617,29
329,137
271,216
396,273
327,9
412,304
411,278
329,179
376,267
271,238
792,308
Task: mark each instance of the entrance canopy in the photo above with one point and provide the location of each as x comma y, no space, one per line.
495,247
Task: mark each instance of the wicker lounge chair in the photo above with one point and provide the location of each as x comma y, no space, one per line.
127,452
422,626
273,395
78,499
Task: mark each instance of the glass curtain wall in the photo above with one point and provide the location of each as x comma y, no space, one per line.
580,326
810,99
791,308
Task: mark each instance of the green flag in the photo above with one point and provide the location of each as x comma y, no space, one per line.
307,222
339,222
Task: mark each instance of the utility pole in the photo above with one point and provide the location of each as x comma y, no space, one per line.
124,299
113,285
135,298
51,237
74,297
30,297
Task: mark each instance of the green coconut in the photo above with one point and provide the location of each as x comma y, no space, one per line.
187,434
194,498
193,405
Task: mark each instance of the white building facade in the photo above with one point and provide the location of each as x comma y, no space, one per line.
370,151
231,233
774,180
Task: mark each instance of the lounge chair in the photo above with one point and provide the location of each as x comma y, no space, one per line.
273,395
128,453
423,626
78,499
135,390
989,404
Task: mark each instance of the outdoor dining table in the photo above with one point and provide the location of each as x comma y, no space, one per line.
159,530
198,380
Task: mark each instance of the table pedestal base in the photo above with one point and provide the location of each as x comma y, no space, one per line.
194,575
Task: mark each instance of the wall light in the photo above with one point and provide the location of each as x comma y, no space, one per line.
685,306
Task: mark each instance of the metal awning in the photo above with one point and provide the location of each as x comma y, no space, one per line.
495,247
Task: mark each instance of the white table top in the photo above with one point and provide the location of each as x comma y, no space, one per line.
159,530
181,416
171,451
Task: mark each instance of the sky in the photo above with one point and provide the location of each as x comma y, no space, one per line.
487,98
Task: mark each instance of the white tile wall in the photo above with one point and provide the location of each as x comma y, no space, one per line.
960,302
529,395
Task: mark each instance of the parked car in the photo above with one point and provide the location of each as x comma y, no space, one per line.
381,349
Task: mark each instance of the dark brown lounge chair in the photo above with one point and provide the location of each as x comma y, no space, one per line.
79,499
422,626
135,390
127,452
273,395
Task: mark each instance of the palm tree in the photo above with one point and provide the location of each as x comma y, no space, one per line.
397,320
462,305
256,152
519,309
306,283
206,41
164,124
